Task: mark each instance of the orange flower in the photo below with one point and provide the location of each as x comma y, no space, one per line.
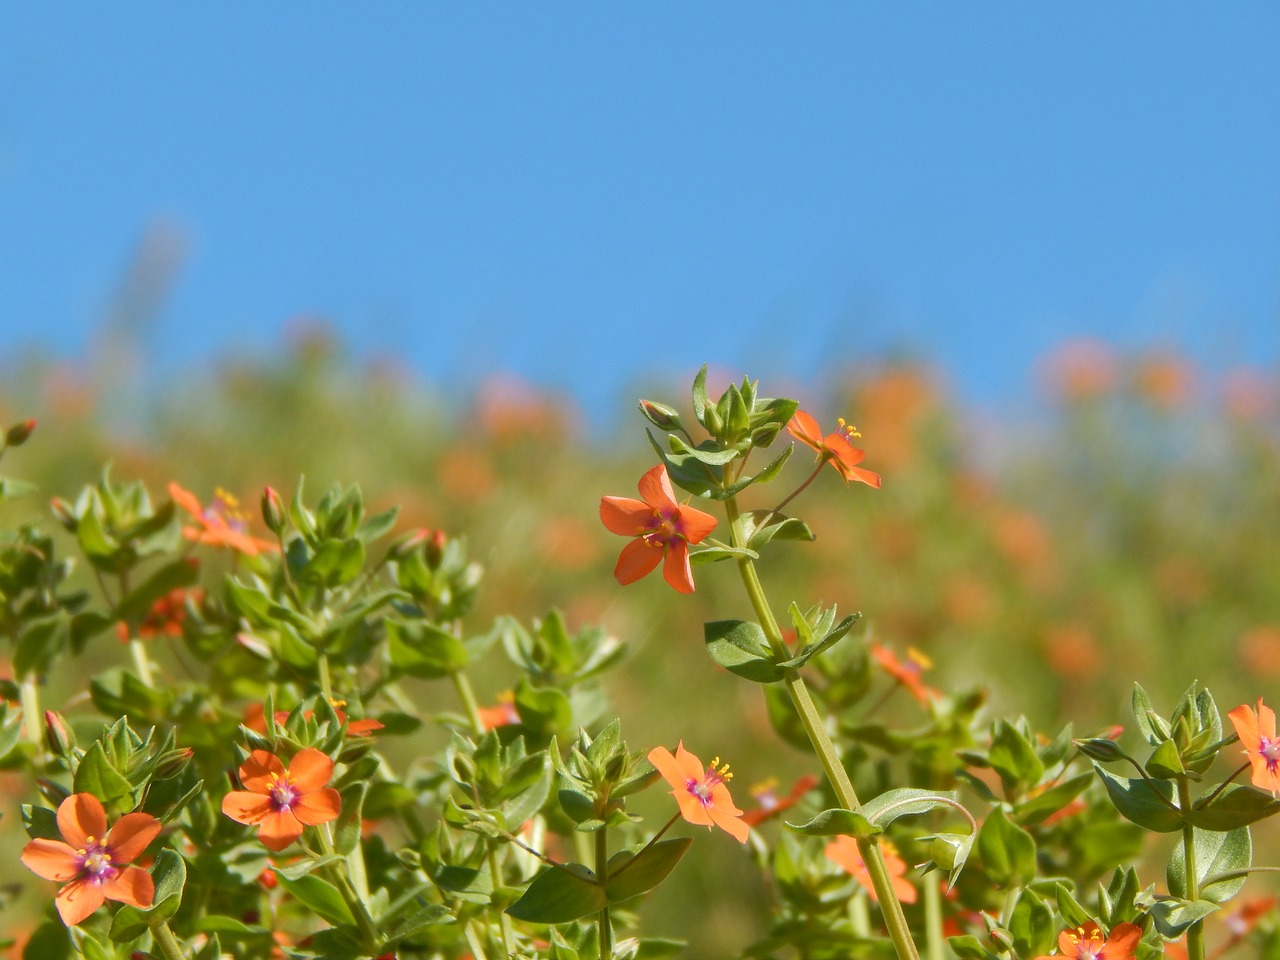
1088,943
166,616
701,792
283,802
221,524
501,714
662,528
907,672
1257,731
834,447
844,851
93,859
255,719
770,804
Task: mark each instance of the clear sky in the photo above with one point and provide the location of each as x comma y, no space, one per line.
584,192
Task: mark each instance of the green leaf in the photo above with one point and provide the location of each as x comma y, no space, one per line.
741,648
641,873
1153,727
1044,805
1007,851
905,802
836,821
424,650
714,553
38,643
170,876
1237,805
709,451
1173,915
765,525
1165,763
812,650
346,834
320,895
1145,802
1032,926
172,576
96,775
559,895
1013,757
1216,853
700,396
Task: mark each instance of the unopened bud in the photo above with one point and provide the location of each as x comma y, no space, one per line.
57,734
17,435
272,510
172,763
435,548
64,513
660,415
1100,748
406,543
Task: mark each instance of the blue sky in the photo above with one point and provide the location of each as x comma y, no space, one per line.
590,193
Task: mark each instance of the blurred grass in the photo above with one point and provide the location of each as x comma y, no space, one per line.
1125,532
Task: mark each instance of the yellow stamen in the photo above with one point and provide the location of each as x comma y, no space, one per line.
848,429
918,658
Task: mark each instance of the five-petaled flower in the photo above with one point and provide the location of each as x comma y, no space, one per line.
907,672
283,801
221,524
834,448
92,861
701,791
662,528
844,851
1257,731
1088,942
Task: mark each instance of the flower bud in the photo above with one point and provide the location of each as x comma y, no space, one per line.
172,762
272,510
1099,748
18,433
57,734
660,415
64,513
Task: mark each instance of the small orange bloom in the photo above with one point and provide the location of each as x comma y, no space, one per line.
834,447
701,791
770,804
1088,943
663,530
221,524
166,616
1257,731
283,802
255,719
907,672
93,859
501,714
844,851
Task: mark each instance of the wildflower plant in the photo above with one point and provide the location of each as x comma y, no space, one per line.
298,739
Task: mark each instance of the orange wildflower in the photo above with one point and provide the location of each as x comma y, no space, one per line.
663,530
1257,731
1088,942
166,616
501,714
907,672
91,861
834,448
771,804
844,851
700,791
281,801
221,524
255,719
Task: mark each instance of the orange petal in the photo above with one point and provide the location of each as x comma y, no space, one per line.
1122,942
319,806
734,826
804,428
77,900
245,807
80,817
695,524
260,770
626,516
130,836
310,769
1246,724
690,765
1266,721
666,765
655,489
638,558
844,852
186,500
676,567
133,886
279,829
51,859
692,809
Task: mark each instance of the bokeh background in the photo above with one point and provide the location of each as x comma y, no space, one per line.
1032,251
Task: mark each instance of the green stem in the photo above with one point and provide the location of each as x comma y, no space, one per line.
891,908
166,941
32,718
141,662
935,947
602,876
338,874
505,932
468,697
1195,933
326,684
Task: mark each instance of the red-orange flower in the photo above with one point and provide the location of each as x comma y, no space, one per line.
501,714
1088,942
907,672
221,524
771,804
93,862
283,802
834,447
844,851
662,528
256,720
1257,731
701,791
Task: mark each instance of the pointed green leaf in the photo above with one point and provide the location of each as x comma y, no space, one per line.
559,895
630,876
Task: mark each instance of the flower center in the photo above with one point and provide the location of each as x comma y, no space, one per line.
717,773
849,430
225,507
1270,750
663,528
95,861
283,794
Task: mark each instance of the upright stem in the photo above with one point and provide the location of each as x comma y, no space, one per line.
468,697
1195,933
29,697
326,683
141,662
934,943
602,875
816,730
166,941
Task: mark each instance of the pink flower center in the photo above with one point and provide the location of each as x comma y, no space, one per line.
95,861
225,509
663,527
283,794
715,776
1270,750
